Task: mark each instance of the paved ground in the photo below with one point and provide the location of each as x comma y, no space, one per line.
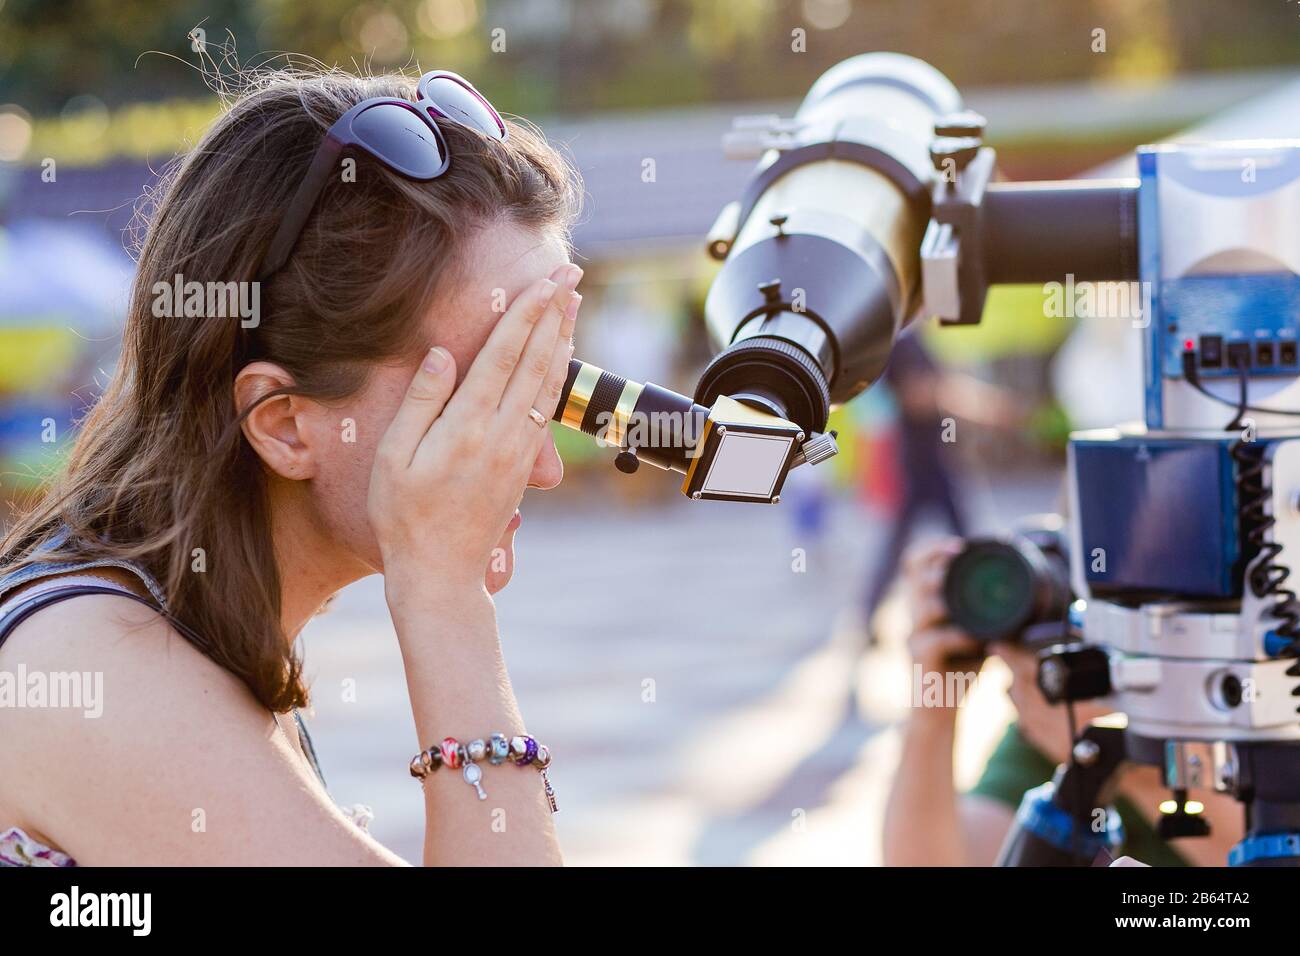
691,684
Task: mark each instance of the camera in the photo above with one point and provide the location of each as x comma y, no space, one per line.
1014,587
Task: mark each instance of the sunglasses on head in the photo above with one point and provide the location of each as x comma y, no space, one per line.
402,135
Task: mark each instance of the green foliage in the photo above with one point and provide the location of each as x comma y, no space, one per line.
1050,426
581,55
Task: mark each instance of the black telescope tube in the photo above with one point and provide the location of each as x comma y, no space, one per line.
1039,232
660,425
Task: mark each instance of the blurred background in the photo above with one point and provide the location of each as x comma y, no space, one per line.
702,672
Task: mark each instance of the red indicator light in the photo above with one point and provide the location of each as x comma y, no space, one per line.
1189,346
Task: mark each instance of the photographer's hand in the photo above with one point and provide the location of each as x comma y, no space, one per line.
934,644
923,823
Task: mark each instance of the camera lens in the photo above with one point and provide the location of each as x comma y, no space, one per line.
996,589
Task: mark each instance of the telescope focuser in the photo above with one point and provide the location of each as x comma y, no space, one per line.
729,450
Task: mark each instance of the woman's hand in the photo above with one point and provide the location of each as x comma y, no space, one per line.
448,474
452,467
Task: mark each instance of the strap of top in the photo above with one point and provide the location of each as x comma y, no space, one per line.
22,606
65,586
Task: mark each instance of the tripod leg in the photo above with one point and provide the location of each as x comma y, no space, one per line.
1268,783
1061,822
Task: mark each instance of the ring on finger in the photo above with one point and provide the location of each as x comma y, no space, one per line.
538,418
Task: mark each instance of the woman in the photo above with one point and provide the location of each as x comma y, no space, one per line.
382,413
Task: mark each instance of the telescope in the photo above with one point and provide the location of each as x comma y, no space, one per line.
877,204
872,206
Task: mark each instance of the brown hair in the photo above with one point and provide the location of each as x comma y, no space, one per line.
160,466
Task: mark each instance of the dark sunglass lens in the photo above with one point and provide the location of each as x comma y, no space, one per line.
401,138
458,102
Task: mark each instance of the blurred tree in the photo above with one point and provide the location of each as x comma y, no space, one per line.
53,51
594,54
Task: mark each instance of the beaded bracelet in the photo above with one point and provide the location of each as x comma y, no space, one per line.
522,750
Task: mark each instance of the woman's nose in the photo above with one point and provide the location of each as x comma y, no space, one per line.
548,469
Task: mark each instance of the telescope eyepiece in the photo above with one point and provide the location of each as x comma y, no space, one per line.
732,450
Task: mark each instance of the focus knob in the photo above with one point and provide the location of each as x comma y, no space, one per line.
819,448
959,151
967,123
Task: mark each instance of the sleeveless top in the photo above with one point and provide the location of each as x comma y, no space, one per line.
17,848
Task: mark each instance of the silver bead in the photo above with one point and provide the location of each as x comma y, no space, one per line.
476,749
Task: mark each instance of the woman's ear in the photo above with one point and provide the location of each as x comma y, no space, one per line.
277,427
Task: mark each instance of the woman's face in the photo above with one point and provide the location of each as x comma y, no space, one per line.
501,262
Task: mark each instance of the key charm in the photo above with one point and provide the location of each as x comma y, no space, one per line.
473,773
550,792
